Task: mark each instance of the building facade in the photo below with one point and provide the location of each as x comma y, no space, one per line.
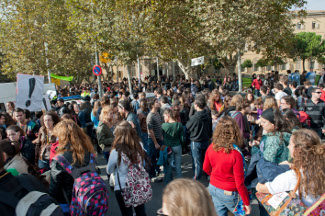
313,22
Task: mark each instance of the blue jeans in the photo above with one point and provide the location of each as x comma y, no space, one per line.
223,203
198,152
144,138
257,93
153,153
176,156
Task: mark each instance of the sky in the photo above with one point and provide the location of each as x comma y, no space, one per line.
315,5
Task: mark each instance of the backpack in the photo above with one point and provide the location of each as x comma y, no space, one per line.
33,203
89,194
137,189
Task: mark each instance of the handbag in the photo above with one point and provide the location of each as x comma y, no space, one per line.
318,208
283,203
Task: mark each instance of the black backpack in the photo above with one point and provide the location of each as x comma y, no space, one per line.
32,203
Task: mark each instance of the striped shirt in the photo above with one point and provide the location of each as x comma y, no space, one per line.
316,113
154,123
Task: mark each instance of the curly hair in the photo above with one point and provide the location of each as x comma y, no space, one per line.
72,138
309,156
126,141
226,134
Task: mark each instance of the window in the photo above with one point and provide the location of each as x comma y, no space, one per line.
269,67
284,66
313,25
298,64
255,67
299,26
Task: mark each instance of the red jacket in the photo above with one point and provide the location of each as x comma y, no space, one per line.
257,84
226,171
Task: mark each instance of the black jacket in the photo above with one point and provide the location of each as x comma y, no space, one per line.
8,183
200,126
61,180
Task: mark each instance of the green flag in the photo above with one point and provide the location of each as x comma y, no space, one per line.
69,79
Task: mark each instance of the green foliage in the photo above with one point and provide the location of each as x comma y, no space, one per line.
171,30
262,63
247,64
306,45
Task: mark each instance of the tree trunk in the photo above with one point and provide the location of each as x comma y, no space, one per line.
184,69
129,78
303,64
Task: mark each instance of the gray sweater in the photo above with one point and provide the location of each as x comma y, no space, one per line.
112,167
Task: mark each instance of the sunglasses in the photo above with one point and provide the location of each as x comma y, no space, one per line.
318,92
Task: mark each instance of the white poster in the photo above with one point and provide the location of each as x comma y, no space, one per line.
197,61
30,92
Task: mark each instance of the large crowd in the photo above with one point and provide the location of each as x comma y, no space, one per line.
266,140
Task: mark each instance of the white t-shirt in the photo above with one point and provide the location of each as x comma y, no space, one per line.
287,182
279,95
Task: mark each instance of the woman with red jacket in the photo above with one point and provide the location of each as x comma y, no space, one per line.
225,165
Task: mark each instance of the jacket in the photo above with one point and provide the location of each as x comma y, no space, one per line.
8,183
173,134
105,136
200,126
18,164
63,181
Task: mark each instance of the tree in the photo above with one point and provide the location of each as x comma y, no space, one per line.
262,63
247,64
306,45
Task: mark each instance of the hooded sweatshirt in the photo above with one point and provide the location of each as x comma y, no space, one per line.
173,134
200,126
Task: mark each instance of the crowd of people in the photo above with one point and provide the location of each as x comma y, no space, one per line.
258,141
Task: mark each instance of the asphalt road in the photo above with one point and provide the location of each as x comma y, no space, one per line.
155,204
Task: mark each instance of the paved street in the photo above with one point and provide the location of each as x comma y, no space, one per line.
155,203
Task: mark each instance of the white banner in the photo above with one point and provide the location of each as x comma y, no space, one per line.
197,61
30,92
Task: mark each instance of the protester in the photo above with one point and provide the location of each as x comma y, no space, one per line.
10,107
315,108
29,127
12,157
308,153
200,129
105,135
127,152
173,134
75,146
186,197
45,139
256,84
27,148
225,163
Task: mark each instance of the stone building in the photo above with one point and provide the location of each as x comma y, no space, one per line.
313,22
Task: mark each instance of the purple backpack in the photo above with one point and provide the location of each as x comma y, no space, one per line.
89,194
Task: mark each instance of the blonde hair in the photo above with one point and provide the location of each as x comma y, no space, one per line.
270,102
70,134
187,197
105,110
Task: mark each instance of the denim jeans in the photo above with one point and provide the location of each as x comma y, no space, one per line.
153,153
198,150
176,156
257,93
144,138
223,203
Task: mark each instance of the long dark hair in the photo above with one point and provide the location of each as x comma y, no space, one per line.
292,118
126,141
